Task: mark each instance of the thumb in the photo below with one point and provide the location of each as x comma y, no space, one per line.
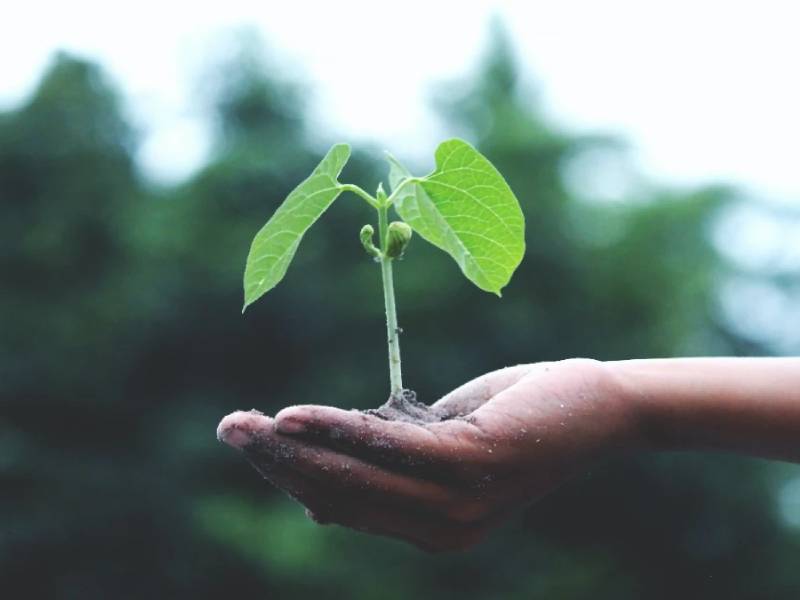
472,395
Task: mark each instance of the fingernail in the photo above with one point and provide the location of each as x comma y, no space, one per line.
235,437
231,432
289,426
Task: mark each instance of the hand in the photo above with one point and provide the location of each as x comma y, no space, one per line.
514,435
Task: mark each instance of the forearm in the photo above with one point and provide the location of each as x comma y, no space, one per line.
745,405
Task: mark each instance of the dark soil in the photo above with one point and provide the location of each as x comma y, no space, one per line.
405,407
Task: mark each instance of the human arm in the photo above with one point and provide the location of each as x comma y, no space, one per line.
744,405
515,434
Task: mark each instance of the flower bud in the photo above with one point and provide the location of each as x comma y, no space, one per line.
366,240
398,236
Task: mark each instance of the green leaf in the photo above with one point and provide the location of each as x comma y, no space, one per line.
275,245
467,209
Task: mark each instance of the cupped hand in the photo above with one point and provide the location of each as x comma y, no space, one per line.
511,436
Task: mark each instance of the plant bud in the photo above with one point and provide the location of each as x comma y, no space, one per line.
399,235
366,240
380,194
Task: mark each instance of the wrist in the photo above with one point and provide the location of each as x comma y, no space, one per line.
641,389
624,407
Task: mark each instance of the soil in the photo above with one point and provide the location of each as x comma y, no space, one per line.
405,407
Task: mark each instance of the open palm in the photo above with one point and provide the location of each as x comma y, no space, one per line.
510,436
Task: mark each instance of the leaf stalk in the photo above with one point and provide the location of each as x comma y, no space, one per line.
358,191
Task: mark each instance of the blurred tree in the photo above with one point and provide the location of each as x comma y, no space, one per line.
616,281
90,508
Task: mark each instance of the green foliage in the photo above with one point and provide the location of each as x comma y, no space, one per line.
276,243
464,207
467,209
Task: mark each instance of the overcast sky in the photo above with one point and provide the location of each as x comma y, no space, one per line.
703,91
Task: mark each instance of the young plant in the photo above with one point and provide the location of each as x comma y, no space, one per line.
464,207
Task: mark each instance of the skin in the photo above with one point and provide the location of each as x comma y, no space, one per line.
514,435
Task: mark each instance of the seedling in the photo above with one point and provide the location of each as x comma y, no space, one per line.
463,207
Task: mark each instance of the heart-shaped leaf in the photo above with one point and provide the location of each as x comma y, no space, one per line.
467,209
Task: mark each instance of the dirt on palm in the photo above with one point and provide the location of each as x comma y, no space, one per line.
405,407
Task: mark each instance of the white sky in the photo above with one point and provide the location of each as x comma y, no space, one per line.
703,91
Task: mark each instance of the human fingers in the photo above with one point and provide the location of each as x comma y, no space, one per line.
269,450
433,450
473,394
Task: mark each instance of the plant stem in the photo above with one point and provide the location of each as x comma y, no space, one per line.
392,330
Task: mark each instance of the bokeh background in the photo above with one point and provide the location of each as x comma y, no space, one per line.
122,342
